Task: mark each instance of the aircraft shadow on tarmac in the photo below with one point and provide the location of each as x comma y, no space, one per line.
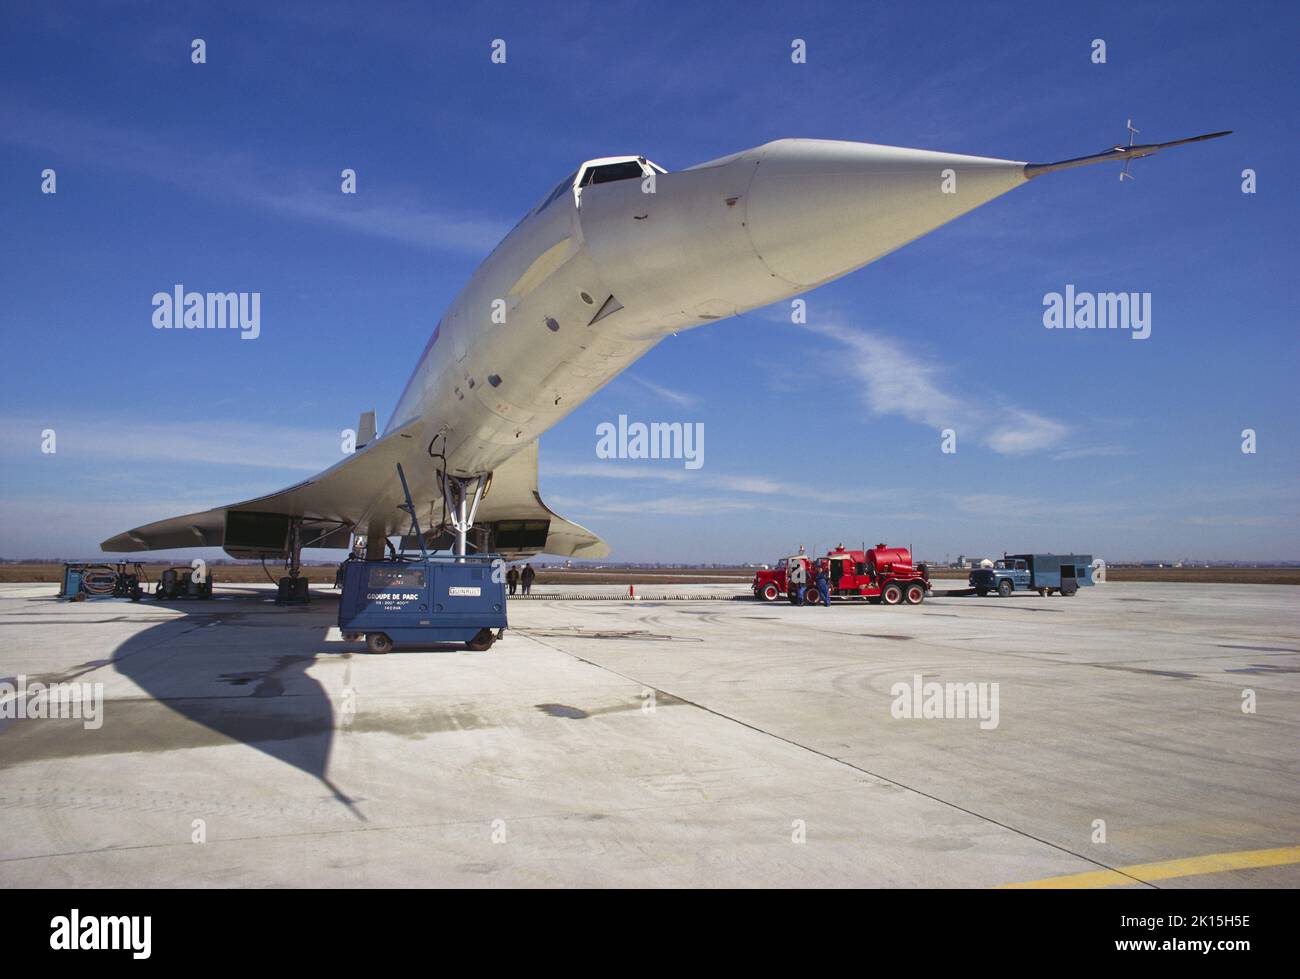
236,667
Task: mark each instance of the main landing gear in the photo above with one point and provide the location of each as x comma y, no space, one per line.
292,588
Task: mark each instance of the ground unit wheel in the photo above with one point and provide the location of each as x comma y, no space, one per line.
1068,589
482,641
981,592
892,594
1004,588
378,642
1042,592
914,594
769,592
812,597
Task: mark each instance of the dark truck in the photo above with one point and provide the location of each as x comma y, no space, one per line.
1046,574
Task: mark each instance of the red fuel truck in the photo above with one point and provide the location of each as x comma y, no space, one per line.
881,574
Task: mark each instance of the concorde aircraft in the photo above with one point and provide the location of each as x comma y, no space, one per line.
617,256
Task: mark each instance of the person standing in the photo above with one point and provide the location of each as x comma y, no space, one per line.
526,578
798,580
512,578
824,586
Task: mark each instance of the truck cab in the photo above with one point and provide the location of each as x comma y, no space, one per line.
1008,574
770,584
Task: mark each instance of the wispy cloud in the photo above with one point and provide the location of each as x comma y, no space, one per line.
239,176
288,450
703,482
1018,431
897,381
679,505
1094,452
667,394
893,380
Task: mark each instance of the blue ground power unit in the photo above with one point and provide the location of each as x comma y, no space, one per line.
432,600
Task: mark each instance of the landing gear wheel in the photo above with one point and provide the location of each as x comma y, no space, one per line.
892,595
1004,588
378,642
914,595
769,592
481,642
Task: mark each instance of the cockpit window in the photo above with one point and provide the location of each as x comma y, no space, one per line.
559,190
627,170
600,173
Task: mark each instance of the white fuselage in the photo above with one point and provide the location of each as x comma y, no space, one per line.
515,352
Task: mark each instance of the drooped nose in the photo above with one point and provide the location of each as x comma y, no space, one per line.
818,209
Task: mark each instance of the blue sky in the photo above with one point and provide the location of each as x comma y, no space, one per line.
226,176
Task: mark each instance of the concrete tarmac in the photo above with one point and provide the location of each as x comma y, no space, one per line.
1136,734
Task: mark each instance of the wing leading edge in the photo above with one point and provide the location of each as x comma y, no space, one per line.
361,495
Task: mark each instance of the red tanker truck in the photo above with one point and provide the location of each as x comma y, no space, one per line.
881,574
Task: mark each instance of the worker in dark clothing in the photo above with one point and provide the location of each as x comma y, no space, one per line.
512,578
798,581
824,586
526,578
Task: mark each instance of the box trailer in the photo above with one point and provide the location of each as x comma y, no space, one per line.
1047,574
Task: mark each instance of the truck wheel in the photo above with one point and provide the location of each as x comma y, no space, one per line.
481,642
378,642
915,594
770,592
892,594
1004,588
